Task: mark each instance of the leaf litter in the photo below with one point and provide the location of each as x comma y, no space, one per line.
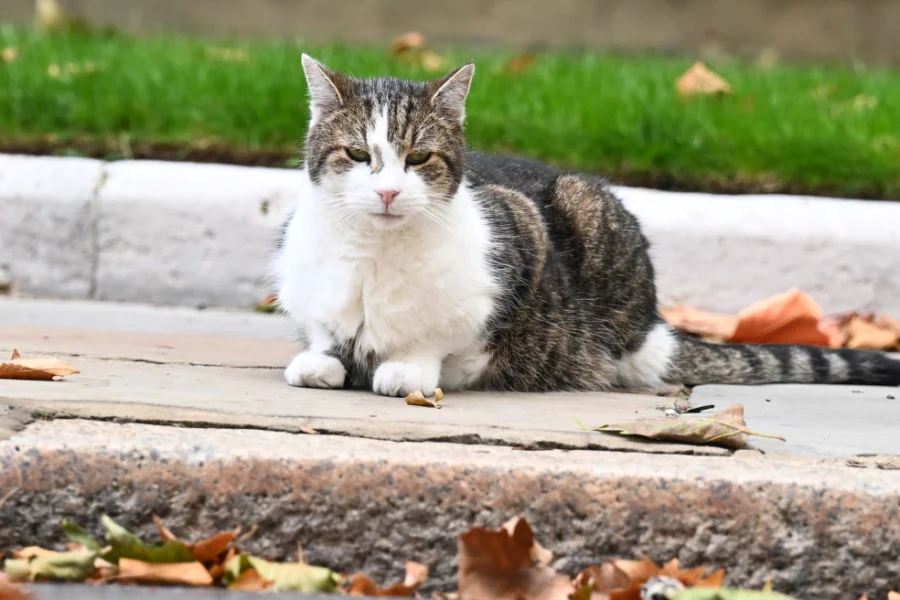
496,564
36,369
791,317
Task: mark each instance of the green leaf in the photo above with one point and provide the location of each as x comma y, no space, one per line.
124,544
293,577
697,593
77,535
69,566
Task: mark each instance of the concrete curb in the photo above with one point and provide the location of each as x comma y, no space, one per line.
819,530
192,234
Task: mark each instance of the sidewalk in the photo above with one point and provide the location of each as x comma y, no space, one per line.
200,235
185,413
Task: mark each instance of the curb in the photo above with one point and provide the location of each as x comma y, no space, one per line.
198,234
819,530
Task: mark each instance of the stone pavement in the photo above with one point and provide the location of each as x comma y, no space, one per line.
185,413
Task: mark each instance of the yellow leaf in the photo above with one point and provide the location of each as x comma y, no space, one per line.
419,399
7,55
701,80
192,574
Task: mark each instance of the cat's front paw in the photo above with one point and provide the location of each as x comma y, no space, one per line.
403,378
309,369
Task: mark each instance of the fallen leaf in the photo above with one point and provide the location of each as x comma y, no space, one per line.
205,550
250,581
362,585
309,431
49,15
69,566
294,577
539,554
7,55
431,61
11,591
412,40
499,565
438,394
186,573
519,64
419,399
701,80
77,535
724,428
791,317
868,335
890,323
126,545
37,369
267,305
700,322
33,552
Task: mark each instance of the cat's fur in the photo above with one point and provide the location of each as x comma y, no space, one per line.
497,273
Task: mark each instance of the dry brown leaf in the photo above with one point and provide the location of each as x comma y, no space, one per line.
622,579
499,565
7,55
412,40
362,585
138,571
519,64
250,581
164,532
867,335
211,548
10,590
724,428
791,317
890,323
706,324
701,80
539,554
417,398
38,369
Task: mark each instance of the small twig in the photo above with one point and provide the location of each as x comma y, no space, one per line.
9,495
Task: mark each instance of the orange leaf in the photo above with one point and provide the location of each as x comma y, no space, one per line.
791,317
250,581
700,322
412,40
11,591
209,549
164,533
888,322
193,574
38,369
362,585
499,565
700,80
863,334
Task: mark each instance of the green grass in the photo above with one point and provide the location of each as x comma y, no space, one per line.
820,129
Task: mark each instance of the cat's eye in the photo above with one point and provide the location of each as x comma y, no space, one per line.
358,155
417,158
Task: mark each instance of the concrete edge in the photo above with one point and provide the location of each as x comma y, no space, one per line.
165,233
819,530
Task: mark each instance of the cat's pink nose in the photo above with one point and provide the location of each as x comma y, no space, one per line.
387,196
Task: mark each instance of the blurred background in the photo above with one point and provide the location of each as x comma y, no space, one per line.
799,96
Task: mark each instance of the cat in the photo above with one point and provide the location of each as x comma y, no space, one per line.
411,264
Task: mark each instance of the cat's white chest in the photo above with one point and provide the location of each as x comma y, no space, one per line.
394,296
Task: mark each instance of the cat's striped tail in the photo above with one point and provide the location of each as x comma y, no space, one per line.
696,362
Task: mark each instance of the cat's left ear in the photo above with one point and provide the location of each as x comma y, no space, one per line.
326,88
449,92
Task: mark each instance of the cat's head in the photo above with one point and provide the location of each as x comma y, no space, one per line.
385,151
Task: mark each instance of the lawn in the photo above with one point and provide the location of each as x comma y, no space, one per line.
823,129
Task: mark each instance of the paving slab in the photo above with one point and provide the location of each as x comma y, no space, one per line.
168,365
818,529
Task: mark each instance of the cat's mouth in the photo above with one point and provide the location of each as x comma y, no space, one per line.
384,216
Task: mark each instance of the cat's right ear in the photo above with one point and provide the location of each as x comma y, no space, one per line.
324,87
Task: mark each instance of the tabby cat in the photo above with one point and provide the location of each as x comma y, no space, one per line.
412,264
